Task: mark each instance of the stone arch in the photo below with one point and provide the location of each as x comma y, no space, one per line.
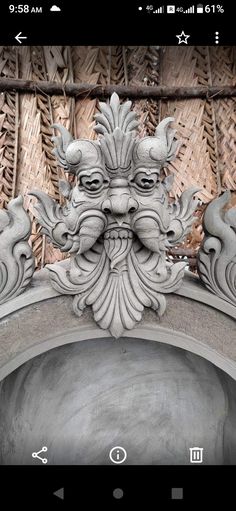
43,320
158,334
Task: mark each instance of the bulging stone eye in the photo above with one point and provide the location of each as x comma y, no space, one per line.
93,182
145,181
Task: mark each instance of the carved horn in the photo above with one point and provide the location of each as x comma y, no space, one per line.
164,132
66,137
161,129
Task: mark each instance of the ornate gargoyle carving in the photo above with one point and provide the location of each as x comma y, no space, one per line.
217,254
117,224
16,258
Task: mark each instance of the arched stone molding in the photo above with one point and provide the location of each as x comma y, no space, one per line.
41,319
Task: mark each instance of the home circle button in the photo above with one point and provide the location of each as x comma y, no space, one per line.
118,493
118,455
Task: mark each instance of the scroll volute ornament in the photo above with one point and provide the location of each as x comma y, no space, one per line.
16,257
217,254
117,223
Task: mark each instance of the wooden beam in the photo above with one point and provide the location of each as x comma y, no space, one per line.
125,91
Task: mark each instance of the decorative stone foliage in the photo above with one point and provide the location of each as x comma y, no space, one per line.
16,258
217,255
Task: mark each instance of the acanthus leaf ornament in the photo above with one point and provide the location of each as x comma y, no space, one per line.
16,257
217,254
117,223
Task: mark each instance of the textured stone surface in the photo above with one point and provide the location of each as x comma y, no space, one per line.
217,254
82,399
117,223
16,256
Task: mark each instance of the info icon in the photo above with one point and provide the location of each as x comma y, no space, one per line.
118,455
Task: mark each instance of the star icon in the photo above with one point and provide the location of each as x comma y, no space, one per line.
183,38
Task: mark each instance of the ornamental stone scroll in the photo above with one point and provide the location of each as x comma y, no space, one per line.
217,254
117,223
16,257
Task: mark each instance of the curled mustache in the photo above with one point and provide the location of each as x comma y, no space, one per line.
87,230
149,227
69,229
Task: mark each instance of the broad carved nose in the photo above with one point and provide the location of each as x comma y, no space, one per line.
119,204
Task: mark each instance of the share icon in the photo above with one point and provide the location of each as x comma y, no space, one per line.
36,455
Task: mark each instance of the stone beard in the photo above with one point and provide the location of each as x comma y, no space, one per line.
117,224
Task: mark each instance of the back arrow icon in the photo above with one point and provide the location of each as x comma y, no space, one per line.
59,493
18,37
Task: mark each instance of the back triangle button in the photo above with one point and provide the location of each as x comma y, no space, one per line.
59,493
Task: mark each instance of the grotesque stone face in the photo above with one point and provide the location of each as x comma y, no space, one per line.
117,223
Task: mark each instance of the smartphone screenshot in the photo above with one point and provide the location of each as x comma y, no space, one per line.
117,254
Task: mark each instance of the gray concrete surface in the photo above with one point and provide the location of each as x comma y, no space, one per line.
82,399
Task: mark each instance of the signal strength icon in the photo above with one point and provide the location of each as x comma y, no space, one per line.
190,10
159,10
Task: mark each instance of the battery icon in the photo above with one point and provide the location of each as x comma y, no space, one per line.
199,8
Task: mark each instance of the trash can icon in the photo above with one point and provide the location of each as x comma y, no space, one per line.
196,454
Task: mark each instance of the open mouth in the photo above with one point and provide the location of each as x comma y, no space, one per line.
118,243
118,233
